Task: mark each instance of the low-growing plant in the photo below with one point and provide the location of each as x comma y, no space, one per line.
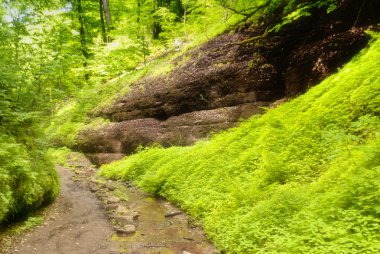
302,178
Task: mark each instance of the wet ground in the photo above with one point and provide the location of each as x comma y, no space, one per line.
159,234
76,224
84,219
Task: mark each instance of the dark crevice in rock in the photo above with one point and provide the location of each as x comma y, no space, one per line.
231,77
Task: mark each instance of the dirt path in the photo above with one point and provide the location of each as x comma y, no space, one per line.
93,215
75,225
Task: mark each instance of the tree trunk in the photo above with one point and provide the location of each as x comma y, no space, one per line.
104,33
82,35
180,9
184,21
107,14
156,27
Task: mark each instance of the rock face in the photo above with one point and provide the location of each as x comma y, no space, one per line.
228,79
116,139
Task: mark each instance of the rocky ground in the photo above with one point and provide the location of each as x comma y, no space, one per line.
93,215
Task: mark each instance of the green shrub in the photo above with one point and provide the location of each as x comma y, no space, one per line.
303,178
59,155
27,178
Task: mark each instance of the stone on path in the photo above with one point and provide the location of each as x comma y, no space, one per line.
121,210
172,214
111,185
135,215
111,207
124,220
126,230
94,187
112,200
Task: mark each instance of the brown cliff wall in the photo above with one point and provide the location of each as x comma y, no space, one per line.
230,78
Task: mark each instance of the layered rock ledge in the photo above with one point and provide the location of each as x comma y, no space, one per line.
230,78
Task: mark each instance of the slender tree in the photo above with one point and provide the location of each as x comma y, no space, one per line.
101,12
82,35
107,14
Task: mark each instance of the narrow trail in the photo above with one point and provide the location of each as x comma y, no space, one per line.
91,216
75,225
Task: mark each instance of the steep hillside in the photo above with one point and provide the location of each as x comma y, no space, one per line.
302,178
230,78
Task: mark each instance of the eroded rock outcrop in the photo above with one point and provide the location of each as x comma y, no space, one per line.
229,78
116,139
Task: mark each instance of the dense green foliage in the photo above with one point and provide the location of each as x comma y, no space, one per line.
27,177
303,178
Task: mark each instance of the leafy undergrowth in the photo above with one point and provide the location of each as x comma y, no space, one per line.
303,178
27,178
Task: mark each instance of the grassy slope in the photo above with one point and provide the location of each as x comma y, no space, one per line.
303,178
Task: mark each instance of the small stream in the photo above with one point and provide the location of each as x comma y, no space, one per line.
158,232
159,228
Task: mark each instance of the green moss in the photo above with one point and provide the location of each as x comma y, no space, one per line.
120,192
303,178
28,224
